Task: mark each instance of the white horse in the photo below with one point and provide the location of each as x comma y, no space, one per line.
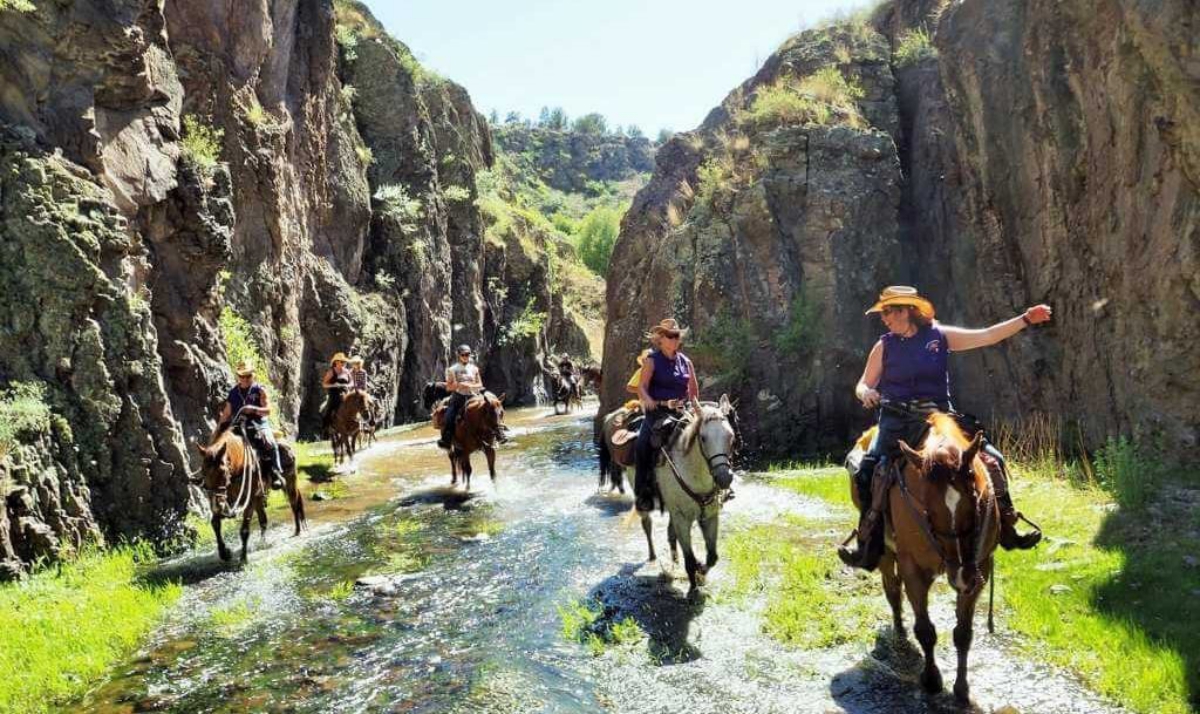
690,482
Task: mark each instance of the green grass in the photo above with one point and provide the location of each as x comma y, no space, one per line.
65,627
1108,595
23,413
825,97
201,143
584,621
314,463
914,46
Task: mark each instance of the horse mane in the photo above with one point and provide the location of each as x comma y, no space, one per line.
707,413
235,447
945,445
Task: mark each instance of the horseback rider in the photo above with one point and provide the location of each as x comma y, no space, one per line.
667,383
248,401
566,370
358,382
336,383
463,382
907,373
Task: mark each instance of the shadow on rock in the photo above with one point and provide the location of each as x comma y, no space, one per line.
887,681
662,612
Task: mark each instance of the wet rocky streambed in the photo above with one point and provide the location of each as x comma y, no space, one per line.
461,600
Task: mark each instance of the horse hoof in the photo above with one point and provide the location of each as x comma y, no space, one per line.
931,681
962,692
225,555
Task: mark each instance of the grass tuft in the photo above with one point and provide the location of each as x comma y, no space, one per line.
914,46
64,628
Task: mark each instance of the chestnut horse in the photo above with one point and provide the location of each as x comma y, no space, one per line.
480,426
941,516
233,479
348,425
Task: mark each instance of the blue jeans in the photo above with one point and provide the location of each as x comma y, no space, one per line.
643,479
262,437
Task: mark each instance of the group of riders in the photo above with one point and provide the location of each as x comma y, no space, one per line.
906,378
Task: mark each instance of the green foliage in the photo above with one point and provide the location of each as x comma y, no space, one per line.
457,194
824,97
257,116
348,94
803,331
398,206
714,177
592,123
240,343
65,628
23,412
914,46
596,237
1129,471
365,156
528,324
347,39
201,142
583,621
727,346
22,6
664,135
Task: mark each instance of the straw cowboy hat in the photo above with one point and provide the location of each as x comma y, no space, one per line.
668,327
896,295
339,357
244,369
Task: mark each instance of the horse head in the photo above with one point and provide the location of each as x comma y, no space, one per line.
216,472
712,431
433,391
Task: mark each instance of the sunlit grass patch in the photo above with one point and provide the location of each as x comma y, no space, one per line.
63,628
230,620
830,483
585,622
314,461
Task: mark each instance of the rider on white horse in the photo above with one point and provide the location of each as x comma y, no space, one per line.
668,382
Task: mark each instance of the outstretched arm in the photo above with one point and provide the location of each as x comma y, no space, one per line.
960,339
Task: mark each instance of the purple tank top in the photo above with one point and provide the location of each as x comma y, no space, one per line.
915,367
670,377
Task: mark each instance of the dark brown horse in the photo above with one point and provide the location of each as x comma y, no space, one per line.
566,392
347,426
593,377
234,480
481,426
941,516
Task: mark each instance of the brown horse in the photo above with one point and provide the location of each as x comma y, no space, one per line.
592,377
480,427
569,394
347,426
941,516
233,479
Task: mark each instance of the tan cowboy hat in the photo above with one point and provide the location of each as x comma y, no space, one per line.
339,357
244,369
356,360
668,327
903,295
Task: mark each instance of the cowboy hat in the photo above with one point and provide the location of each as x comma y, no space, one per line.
668,327
339,357
244,369
897,295
356,360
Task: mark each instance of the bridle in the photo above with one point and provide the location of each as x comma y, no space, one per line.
702,500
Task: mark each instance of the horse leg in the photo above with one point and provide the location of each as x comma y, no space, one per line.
466,470
490,453
649,541
892,589
245,531
683,533
916,586
260,507
296,501
963,634
222,549
673,543
710,527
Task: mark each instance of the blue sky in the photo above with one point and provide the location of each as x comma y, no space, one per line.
653,63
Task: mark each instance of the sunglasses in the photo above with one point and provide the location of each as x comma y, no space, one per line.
893,310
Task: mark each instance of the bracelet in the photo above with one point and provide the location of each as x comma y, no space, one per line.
1025,319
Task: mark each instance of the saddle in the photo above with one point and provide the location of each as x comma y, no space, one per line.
628,422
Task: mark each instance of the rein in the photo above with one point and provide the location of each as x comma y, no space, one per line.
932,535
707,499
250,472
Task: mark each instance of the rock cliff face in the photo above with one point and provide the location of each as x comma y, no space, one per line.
178,176
1042,153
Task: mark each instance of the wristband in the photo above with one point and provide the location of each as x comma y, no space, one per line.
1025,319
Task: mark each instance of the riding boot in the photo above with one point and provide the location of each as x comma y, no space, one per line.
870,526
643,491
276,478
1010,539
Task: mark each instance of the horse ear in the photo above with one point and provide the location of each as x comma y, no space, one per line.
913,455
200,447
220,452
972,450
501,397
726,407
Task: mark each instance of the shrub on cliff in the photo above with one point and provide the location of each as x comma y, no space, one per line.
201,142
596,237
240,344
914,46
824,97
23,410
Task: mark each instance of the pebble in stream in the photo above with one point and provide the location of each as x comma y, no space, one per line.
457,610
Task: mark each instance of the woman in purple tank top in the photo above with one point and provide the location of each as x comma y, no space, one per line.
668,382
909,365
